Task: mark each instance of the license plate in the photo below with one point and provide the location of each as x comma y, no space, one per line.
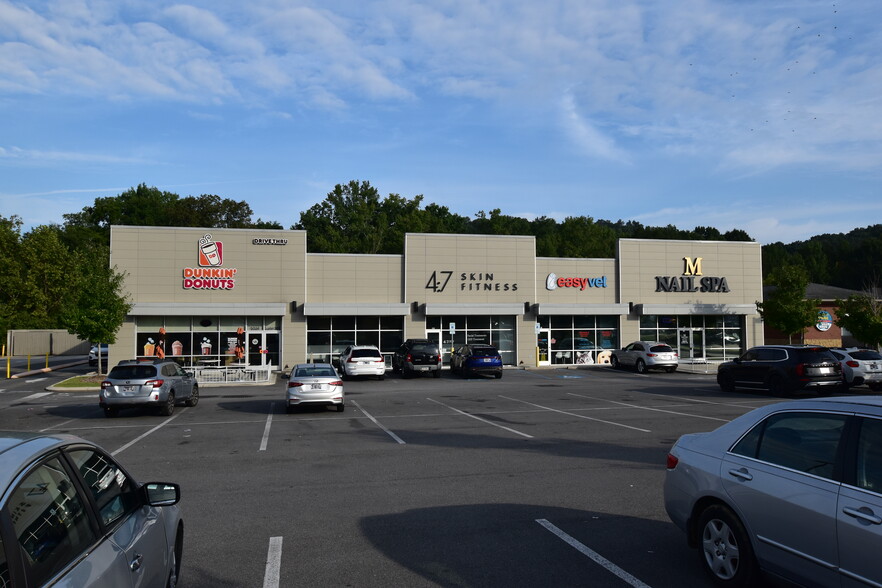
128,388
424,368
825,370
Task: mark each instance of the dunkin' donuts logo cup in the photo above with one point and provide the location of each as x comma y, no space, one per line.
210,252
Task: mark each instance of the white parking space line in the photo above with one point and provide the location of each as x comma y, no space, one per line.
273,563
61,424
376,422
266,429
735,404
35,396
581,416
38,379
593,555
482,420
631,405
154,429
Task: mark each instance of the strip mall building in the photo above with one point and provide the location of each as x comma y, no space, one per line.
198,294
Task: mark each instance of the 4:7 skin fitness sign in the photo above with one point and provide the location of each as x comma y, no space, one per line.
209,276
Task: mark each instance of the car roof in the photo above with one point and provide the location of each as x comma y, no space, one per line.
308,365
18,449
364,347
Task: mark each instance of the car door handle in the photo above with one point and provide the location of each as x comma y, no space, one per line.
741,474
136,563
863,513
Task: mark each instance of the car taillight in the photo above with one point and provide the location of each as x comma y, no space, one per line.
337,383
105,384
852,363
650,355
672,461
438,358
154,383
409,358
350,360
295,384
800,369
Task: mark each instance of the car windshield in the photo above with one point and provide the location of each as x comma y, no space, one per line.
865,354
315,372
132,372
815,354
661,349
365,353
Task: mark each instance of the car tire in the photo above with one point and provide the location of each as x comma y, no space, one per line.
194,397
726,382
777,386
614,362
498,375
876,387
381,377
341,407
671,369
290,409
436,374
725,550
640,366
174,575
111,412
169,407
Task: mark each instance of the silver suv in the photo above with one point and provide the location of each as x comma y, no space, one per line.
147,382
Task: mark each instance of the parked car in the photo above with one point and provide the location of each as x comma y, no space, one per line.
161,383
314,384
782,370
72,516
93,354
793,488
860,366
646,355
471,360
417,356
362,360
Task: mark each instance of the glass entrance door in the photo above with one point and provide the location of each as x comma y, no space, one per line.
262,348
542,354
691,342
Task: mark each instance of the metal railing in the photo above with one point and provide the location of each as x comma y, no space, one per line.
230,374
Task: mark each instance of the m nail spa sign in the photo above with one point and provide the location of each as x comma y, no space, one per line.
691,280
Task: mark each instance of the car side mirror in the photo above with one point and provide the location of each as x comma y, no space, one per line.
161,493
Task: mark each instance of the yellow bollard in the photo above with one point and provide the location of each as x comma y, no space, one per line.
8,367
29,362
47,361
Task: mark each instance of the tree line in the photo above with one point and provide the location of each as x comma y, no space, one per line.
57,276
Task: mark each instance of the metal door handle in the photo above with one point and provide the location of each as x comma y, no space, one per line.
741,474
863,513
136,563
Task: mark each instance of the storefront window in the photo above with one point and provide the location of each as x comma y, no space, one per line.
580,339
496,330
327,337
703,337
211,341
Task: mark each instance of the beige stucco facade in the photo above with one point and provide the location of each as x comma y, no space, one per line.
194,289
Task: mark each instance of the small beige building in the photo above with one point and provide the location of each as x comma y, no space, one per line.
256,298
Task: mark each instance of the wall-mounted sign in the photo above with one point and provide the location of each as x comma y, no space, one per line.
209,276
469,282
268,241
690,280
825,321
552,282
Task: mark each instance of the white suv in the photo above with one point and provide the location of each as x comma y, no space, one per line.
362,360
860,366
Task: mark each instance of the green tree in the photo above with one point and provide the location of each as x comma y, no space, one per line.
787,308
862,315
10,272
98,306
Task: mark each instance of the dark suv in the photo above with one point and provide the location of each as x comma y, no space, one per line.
147,382
416,356
782,370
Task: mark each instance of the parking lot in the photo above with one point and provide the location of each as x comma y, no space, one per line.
547,477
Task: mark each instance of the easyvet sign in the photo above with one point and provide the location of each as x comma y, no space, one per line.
552,282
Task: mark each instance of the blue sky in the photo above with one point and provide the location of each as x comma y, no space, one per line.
759,115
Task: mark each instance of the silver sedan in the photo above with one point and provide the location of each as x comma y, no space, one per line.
314,384
793,489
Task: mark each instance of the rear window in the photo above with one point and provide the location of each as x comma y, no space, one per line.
365,353
661,349
315,373
865,355
132,372
484,351
425,347
815,355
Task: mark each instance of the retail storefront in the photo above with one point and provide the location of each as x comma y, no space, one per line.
252,300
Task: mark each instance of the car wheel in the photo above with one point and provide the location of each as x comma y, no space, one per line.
640,366
614,362
341,407
726,382
174,575
380,377
169,407
290,409
436,374
777,386
725,548
875,387
194,397
671,369
111,411
498,375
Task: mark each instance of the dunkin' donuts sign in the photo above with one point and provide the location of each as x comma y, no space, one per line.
209,275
